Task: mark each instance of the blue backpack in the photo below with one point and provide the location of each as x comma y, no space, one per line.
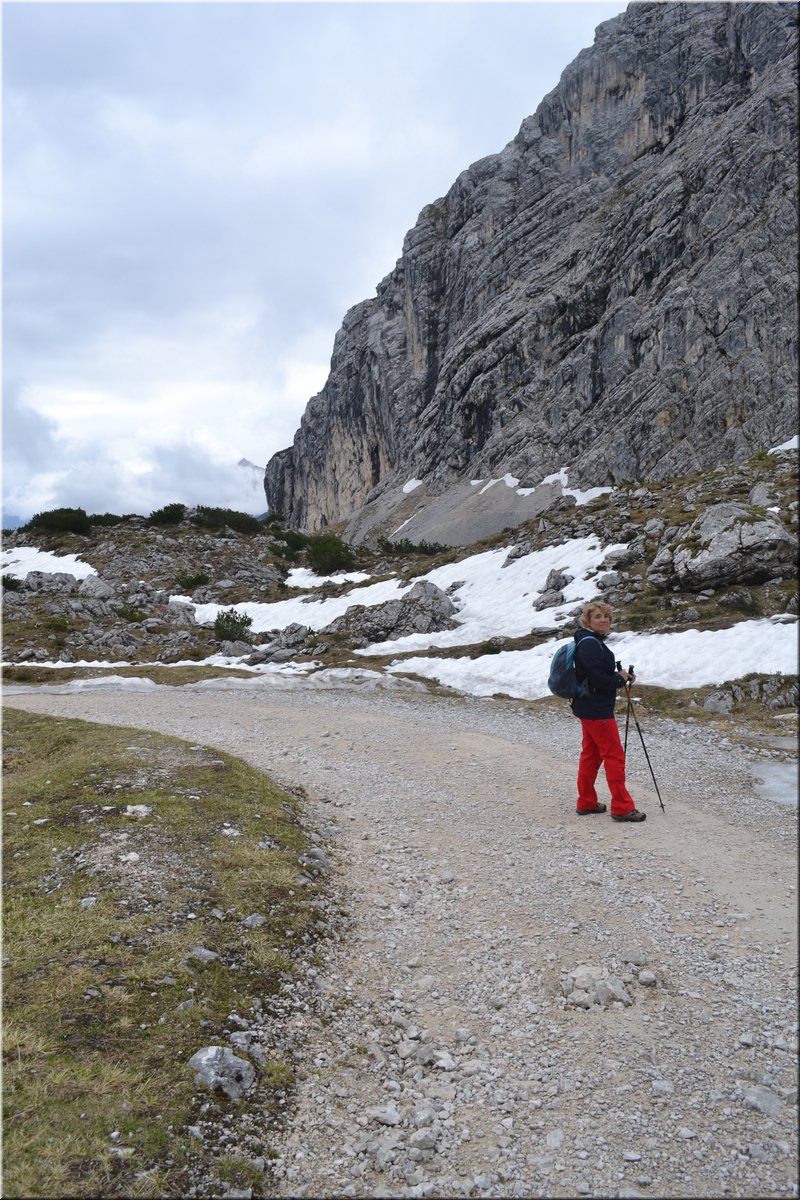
562,680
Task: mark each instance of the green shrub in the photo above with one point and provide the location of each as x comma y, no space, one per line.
128,613
293,538
56,624
231,626
187,583
170,514
405,546
61,520
106,519
11,583
216,518
327,553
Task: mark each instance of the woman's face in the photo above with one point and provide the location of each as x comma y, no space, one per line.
600,622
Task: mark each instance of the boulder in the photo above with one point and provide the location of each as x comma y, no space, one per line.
761,496
553,594
520,550
51,581
85,609
557,580
95,588
728,543
218,1068
625,557
776,692
235,649
549,599
425,608
292,637
180,613
608,581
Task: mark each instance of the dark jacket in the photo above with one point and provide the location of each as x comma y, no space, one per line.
595,667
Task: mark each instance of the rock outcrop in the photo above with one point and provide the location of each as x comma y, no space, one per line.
728,543
614,292
424,608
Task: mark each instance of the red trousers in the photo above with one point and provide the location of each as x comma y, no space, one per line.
601,744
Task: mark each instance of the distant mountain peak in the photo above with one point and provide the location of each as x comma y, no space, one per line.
252,476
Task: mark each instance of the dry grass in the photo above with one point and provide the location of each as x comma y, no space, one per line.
169,676
95,1042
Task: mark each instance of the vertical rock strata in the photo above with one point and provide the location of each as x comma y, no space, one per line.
615,291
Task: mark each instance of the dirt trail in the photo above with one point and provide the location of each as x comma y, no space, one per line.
442,1057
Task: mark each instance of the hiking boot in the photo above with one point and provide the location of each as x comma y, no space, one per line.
633,815
584,812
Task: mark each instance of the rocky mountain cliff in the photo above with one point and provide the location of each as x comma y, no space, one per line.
615,292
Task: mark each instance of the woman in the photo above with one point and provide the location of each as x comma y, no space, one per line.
596,670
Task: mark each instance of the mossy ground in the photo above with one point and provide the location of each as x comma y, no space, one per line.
96,1034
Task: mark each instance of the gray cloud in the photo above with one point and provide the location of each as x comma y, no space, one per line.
32,435
197,192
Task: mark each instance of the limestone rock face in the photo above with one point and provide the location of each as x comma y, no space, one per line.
728,543
614,292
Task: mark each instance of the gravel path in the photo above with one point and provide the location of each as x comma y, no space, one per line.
438,1052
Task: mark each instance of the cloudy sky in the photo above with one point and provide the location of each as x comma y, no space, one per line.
194,195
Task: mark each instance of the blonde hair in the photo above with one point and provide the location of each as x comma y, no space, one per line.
592,607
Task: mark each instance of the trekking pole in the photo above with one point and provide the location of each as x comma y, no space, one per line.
627,717
628,713
644,747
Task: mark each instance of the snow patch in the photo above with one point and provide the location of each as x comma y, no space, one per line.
691,658
494,600
302,577
408,522
314,611
580,497
791,444
507,479
23,559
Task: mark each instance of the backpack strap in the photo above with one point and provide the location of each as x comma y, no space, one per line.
584,681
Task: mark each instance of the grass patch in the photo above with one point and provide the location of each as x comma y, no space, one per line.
169,676
103,1002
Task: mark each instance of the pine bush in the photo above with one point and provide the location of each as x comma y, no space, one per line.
231,626
216,518
328,553
61,520
170,514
